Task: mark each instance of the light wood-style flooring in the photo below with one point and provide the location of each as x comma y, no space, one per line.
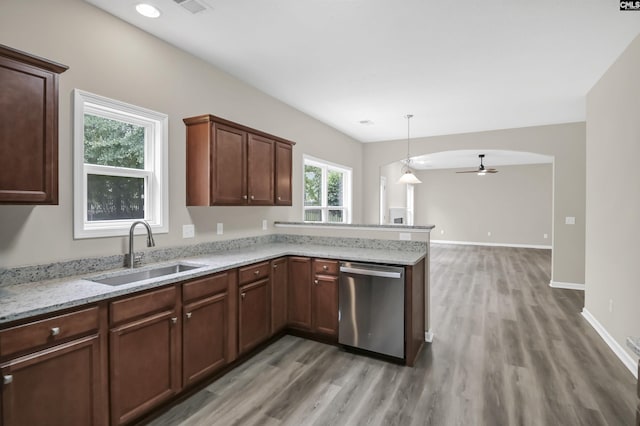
508,350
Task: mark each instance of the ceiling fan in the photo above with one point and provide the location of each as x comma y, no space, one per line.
482,170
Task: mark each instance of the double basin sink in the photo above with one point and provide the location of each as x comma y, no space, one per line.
135,276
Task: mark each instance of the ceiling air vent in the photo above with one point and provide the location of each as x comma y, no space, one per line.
192,6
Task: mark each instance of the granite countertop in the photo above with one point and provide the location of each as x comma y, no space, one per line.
634,344
415,228
20,301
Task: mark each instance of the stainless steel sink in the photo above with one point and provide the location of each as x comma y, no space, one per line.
146,274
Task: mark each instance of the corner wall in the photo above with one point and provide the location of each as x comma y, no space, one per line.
111,58
565,142
613,200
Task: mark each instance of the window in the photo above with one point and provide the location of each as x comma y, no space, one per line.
327,192
120,167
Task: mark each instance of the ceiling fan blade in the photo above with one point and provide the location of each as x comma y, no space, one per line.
491,171
469,171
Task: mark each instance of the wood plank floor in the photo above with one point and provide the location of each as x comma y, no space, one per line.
508,350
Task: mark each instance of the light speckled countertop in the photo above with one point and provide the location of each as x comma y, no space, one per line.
20,301
634,344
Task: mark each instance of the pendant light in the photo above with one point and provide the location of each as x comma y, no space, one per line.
407,173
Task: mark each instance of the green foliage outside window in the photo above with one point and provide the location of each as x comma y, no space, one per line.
118,144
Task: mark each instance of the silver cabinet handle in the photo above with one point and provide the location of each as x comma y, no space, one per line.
279,198
243,295
55,331
315,282
188,315
253,198
325,267
257,272
275,266
174,320
244,197
8,379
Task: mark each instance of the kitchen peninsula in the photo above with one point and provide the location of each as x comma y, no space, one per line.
138,345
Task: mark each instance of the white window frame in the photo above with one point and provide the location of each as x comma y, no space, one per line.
155,173
325,166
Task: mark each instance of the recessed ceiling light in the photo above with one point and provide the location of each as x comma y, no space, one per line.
147,10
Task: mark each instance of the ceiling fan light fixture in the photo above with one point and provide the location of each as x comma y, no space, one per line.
407,175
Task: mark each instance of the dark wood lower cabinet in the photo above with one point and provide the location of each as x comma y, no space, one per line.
144,356
279,280
325,305
254,314
299,300
59,386
204,337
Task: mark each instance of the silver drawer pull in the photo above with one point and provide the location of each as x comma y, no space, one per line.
243,295
325,267
174,320
188,315
55,331
315,282
8,379
244,197
257,272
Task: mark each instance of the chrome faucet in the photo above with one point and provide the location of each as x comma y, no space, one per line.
131,258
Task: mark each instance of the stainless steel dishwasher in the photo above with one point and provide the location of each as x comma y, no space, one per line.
371,308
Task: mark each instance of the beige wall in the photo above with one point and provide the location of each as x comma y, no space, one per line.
109,57
513,204
613,198
565,142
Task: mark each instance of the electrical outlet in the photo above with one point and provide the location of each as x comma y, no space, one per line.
188,231
489,234
220,228
610,305
569,220
442,232
405,236
265,225
545,236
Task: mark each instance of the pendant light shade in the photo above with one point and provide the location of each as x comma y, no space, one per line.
407,173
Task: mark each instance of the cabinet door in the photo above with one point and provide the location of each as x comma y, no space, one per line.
58,386
279,276
229,172
145,365
284,161
254,314
204,337
299,300
28,128
260,170
325,305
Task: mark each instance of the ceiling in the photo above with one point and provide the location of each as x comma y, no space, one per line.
468,159
459,66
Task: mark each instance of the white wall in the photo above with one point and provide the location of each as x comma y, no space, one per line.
613,198
565,142
515,205
109,57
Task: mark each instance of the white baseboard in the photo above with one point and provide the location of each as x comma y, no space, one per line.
474,243
567,286
620,352
428,336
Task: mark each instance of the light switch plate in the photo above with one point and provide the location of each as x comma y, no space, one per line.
220,229
405,236
188,231
570,220
265,225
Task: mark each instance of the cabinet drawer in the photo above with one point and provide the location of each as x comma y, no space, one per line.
48,331
254,272
204,287
143,304
323,266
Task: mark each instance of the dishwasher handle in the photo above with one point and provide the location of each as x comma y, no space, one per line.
370,272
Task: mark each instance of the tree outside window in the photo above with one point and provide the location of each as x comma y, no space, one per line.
326,192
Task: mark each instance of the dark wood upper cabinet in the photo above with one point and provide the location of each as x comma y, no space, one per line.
28,128
233,165
284,161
